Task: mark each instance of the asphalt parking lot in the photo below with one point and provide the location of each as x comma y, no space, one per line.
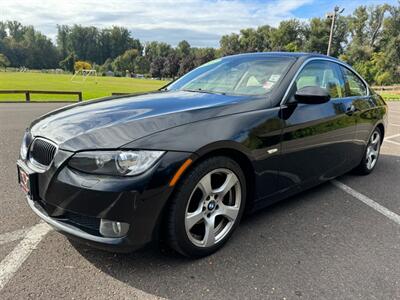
340,240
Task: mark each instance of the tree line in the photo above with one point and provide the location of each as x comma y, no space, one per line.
368,39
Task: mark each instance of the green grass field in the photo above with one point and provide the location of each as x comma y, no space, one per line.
57,82
390,96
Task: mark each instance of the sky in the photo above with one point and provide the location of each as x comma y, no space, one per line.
200,22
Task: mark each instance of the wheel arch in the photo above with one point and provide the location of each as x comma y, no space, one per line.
381,127
234,151
240,155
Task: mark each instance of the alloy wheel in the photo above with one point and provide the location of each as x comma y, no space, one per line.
373,150
213,207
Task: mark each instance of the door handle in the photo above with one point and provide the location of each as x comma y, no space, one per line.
351,110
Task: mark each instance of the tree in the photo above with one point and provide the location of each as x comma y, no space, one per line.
40,50
142,65
3,30
105,44
289,35
68,64
230,44
250,40
377,15
63,42
366,23
83,41
384,79
390,43
373,48
157,49
358,25
186,65
4,62
122,41
171,66
15,52
93,44
156,67
107,66
317,34
265,33
203,55
16,30
183,49
126,61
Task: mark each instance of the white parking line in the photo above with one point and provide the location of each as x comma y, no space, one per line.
371,203
392,136
12,236
11,263
393,142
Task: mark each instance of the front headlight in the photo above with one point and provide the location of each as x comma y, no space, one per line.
24,147
119,163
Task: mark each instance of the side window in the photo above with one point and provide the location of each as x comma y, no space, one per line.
353,85
322,74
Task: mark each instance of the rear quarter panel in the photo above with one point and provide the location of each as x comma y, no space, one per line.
372,111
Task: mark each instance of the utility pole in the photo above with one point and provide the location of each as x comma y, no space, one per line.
332,15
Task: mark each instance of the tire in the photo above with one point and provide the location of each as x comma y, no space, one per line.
206,207
371,154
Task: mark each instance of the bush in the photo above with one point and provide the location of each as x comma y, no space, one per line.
82,65
383,79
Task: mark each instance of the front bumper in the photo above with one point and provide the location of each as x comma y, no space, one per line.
73,231
73,202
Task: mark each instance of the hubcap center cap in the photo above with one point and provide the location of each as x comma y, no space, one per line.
211,205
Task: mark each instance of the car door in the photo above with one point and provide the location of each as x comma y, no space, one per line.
364,106
317,139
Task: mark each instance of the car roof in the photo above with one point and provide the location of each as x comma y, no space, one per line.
282,54
302,56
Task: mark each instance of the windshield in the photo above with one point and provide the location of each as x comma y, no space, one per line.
235,76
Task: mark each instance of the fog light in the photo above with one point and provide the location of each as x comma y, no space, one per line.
113,229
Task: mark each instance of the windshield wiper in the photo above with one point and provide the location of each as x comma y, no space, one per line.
203,91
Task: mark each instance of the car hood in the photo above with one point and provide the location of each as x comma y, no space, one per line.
113,122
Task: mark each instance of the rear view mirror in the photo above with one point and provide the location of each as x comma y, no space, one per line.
312,95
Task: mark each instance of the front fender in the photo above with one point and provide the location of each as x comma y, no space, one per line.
247,132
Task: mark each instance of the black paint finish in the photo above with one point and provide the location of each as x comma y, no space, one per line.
283,145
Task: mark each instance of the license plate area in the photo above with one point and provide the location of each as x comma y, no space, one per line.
27,181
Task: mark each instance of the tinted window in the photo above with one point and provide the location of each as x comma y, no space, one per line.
237,76
322,74
353,84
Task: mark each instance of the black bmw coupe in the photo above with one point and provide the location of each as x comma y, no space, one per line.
184,163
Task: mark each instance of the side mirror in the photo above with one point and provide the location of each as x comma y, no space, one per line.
312,95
